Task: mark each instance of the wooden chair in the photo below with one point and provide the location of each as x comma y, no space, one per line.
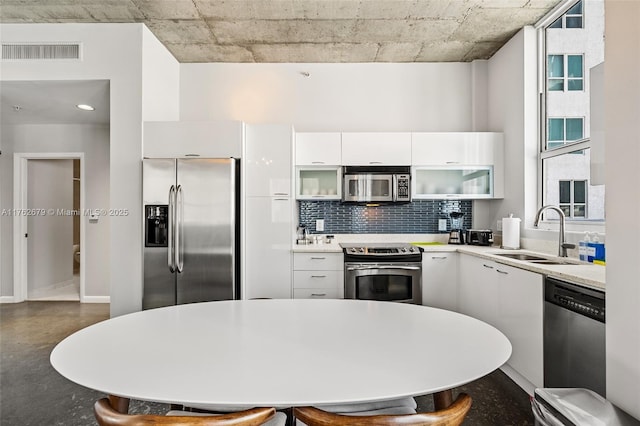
450,416
107,415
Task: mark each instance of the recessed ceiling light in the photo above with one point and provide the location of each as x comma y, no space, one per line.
85,107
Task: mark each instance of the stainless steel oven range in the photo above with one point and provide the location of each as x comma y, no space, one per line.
383,271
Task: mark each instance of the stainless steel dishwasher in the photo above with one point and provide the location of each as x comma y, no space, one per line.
574,336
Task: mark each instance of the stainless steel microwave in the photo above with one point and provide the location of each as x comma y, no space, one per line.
376,184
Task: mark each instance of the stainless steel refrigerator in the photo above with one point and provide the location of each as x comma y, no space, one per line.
191,235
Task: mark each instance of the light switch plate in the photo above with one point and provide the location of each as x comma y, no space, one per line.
319,225
442,224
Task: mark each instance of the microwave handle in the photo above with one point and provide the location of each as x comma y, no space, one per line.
394,187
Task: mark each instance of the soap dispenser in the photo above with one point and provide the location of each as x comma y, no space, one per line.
583,247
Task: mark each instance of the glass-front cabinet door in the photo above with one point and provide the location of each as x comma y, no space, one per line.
319,183
463,182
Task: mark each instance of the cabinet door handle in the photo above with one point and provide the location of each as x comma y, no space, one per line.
280,199
453,162
375,162
318,294
318,258
317,162
318,276
502,272
487,266
280,193
438,257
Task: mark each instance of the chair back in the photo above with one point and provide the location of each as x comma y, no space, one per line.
450,416
106,415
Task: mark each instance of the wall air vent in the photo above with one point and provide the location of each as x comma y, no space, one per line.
33,51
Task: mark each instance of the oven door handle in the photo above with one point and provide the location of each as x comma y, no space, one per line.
368,268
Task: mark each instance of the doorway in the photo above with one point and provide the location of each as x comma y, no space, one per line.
49,236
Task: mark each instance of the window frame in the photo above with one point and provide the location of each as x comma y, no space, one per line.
563,18
578,145
572,201
565,72
564,140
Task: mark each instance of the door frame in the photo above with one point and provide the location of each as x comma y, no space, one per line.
20,187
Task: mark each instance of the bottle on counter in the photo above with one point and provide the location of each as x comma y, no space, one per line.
595,252
583,247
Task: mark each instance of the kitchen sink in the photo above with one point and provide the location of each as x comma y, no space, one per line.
539,260
555,262
522,256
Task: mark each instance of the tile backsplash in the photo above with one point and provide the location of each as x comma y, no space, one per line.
417,217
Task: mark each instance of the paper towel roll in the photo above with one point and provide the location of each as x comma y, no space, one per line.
511,233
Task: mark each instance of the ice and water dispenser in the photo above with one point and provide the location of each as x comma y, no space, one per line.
156,225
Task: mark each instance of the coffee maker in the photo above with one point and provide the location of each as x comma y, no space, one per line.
456,235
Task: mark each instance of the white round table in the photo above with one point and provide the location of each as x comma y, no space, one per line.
281,353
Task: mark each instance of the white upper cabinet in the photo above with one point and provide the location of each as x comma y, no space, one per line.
456,148
267,161
186,139
366,149
318,149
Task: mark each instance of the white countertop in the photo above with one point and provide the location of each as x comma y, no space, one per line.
586,274
281,353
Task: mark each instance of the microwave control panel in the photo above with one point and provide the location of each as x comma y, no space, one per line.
403,191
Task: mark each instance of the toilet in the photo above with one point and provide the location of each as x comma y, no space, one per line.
76,253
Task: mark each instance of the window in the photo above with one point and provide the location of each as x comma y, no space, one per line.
563,130
565,64
565,72
573,197
571,19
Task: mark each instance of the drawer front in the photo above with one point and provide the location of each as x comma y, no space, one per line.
317,293
318,279
318,262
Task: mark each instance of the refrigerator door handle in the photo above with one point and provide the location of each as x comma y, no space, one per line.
179,252
170,245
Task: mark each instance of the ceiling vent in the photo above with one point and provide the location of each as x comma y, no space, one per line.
24,51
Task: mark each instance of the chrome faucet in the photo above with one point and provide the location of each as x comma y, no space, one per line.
562,244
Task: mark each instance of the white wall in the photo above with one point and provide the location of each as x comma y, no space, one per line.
93,140
160,80
622,127
50,242
111,52
335,97
512,109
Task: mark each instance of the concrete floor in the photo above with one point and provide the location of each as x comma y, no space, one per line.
33,393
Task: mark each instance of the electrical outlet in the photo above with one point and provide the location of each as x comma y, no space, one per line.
442,224
499,225
319,225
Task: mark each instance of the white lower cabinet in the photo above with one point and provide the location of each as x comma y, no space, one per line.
318,276
478,288
520,306
268,247
440,280
510,299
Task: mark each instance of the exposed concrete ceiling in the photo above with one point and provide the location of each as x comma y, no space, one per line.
305,30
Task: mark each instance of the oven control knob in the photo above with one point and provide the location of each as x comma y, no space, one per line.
361,250
404,249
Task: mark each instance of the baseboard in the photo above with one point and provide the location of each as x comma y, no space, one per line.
7,299
519,380
96,299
